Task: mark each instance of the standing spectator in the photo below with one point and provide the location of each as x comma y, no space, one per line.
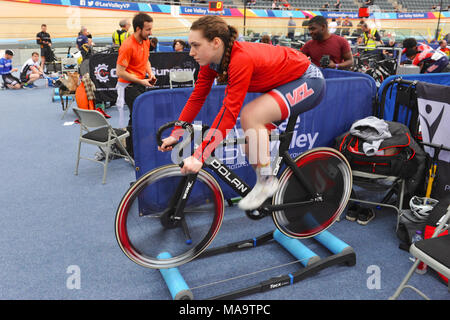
6,70
443,47
121,34
275,5
333,26
324,43
371,37
346,25
84,43
31,71
291,28
178,45
134,69
337,5
44,41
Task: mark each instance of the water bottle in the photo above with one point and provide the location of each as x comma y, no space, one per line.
421,268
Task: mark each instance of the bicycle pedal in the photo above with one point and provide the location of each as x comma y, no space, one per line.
255,214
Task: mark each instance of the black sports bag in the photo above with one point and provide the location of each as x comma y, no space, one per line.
402,156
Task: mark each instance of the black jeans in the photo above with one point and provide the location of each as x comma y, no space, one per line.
131,93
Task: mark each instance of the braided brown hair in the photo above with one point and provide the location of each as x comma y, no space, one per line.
215,26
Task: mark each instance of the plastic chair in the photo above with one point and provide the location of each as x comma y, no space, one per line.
104,136
433,252
181,76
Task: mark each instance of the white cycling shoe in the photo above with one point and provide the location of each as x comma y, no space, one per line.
263,189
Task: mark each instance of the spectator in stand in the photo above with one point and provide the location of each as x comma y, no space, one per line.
337,6
285,5
31,71
178,45
346,25
291,28
326,6
6,70
324,43
444,48
368,3
275,5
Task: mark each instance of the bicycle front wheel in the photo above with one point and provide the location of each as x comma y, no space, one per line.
143,235
329,173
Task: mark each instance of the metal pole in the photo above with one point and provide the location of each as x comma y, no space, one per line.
439,21
245,14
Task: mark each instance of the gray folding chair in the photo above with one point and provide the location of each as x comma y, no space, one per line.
104,136
181,76
434,252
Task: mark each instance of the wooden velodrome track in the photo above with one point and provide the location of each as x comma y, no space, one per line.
22,21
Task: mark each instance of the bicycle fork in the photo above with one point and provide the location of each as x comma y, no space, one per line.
173,216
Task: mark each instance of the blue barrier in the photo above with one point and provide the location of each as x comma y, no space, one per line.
389,105
349,97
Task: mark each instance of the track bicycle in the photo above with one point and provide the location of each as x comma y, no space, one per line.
167,219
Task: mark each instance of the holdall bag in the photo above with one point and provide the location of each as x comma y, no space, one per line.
400,155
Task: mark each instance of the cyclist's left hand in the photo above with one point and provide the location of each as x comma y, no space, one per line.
191,165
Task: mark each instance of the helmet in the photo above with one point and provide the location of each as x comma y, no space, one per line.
422,206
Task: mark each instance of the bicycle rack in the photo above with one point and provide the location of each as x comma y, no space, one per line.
312,263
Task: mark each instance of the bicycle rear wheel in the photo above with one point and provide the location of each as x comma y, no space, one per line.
329,173
143,235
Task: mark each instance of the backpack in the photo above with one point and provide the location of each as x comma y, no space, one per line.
82,99
402,157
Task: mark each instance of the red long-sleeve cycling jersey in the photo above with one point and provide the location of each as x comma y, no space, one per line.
253,67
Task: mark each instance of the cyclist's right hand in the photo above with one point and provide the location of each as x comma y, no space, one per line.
167,144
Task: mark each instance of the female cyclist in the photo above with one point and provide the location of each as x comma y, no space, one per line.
290,83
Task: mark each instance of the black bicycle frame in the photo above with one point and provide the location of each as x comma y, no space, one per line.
238,185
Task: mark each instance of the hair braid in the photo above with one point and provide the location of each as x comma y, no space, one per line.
223,77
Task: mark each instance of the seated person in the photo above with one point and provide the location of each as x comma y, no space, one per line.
31,71
390,53
6,70
266,39
429,61
154,45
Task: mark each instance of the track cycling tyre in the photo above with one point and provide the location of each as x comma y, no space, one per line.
330,173
138,232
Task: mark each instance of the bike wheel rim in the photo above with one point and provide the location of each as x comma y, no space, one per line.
152,262
278,197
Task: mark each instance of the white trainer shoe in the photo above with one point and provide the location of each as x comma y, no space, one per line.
261,192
